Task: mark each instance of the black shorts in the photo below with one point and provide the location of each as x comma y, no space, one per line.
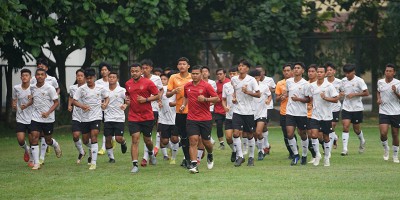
297,121
269,114
46,128
261,119
243,122
355,117
167,130
228,124
20,127
75,126
180,123
218,116
114,128
323,126
202,128
86,127
393,120
155,114
144,127
335,116
308,123
282,120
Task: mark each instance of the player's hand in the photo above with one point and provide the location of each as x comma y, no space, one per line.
176,90
234,100
322,95
226,109
123,106
103,106
141,99
379,101
295,98
160,104
394,88
244,89
341,94
201,98
14,105
69,108
267,101
85,108
127,100
351,95
45,114
182,108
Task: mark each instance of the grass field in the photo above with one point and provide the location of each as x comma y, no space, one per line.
357,176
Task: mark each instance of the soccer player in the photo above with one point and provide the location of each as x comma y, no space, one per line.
175,87
140,93
92,98
312,77
261,113
245,88
271,84
205,72
296,112
158,71
389,110
114,116
77,114
323,94
21,102
330,76
281,96
227,97
147,66
197,95
219,111
45,101
353,89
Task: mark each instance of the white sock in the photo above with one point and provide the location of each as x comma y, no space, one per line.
79,147
55,143
293,145
212,140
35,154
43,148
174,148
104,143
252,146
345,138
331,139
232,147
245,142
304,145
199,154
361,137
327,150
164,151
336,137
395,151
260,145
158,140
385,145
315,144
145,152
110,153
25,147
95,149
238,146
266,143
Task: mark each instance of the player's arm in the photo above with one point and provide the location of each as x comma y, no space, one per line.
305,99
268,100
378,97
256,94
364,93
105,102
171,93
70,100
80,105
58,91
52,108
331,99
184,104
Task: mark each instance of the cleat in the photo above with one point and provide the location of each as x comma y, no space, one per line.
135,169
143,163
326,162
250,162
266,150
184,164
89,160
386,155
290,157
172,162
361,149
113,143
239,161
101,152
124,148
303,160
58,151
194,169
395,159
80,156
317,159
166,158
312,161
41,161
344,153
295,160
210,161
36,167
48,150
233,156
153,160
260,156
335,144
26,156
92,167
30,164
111,160
221,147
155,150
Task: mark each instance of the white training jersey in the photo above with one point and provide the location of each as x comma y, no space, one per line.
322,109
43,100
167,114
93,98
271,84
356,85
22,96
299,89
245,103
390,103
49,79
336,83
157,81
214,85
76,112
113,112
227,93
261,107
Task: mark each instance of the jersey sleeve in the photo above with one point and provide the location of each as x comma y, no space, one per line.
278,90
211,91
267,92
224,91
54,83
171,83
152,88
104,92
123,93
272,84
254,85
158,83
77,94
362,85
71,91
53,94
14,93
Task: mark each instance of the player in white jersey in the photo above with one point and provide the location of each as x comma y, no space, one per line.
227,97
261,113
166,123
336,107
323,94
245,88
45,101
77,114
353,88
312,77
91,98
21,103
147,66
296,111
389,110
271,84
114,116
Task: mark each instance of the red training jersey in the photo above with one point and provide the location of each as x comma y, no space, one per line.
139,112
199,111
218,108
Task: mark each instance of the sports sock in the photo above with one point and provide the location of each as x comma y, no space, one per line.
135,163
158,140
304,145
252,146
164,151
35,153
266,142
361,137
95,149
174,148
103,146
345,137
221,143
145,152
385,145
232,147
78,145
110,153
199,154
245,143
238,146
293,146
315,143
327,150
311,148
260,145
25,147
55,143
43,148
395,151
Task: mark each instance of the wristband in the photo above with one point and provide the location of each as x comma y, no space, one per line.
147,99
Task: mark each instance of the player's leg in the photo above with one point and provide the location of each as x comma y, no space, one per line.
237,124
34,142
229,138
146,128
205,132
76,133
193,130
94,132
219,120
50,141
326,128
260,138
265,135
346,120
290,128
108,133
282,123
119,128
174,145
383,129
395,124
357,120
20,130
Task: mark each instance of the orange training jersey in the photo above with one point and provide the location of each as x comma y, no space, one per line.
176,81
281,88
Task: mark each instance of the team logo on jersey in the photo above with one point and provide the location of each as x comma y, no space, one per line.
43,93
201,91
141,87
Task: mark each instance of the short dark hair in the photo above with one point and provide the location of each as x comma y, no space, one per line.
301,64
197,67
104,64
331,65
172,72
220,69
260,66
205,67
136,65
233,69
254,73
40,70
25,70
245,62
115,73
322,66
391,66
161,75
158,70
42,61
147,62
79,70
167,68
90,72
287,65
349,67
315,66
183,59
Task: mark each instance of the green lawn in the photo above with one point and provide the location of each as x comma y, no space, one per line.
356,176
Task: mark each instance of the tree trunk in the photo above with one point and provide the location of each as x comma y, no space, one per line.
62,85
1,89
88,56
215,55
124,73
9,116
